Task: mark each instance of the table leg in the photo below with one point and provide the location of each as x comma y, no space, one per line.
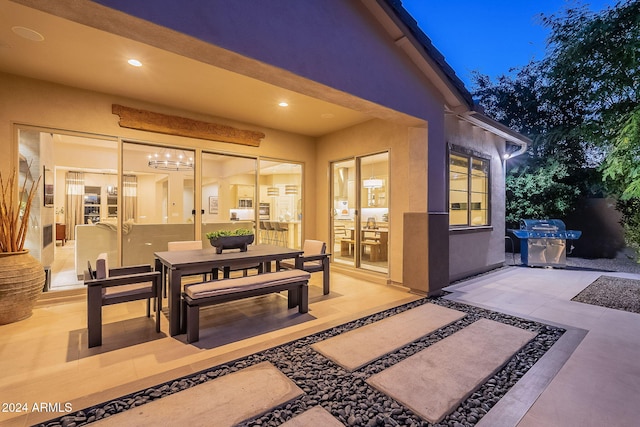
325,275
175,318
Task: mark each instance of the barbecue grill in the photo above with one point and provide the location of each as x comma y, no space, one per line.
543,242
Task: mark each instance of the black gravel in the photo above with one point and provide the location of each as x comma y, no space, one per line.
612,292
345,394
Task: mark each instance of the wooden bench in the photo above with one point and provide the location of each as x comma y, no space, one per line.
219,291
347,247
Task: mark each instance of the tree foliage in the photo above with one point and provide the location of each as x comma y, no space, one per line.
593,63
539,192
621,168
581,99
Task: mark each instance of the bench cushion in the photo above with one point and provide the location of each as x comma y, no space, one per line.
228,286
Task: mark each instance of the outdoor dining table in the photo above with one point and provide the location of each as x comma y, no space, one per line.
175,264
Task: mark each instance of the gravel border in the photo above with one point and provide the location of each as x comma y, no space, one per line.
345,394
612,292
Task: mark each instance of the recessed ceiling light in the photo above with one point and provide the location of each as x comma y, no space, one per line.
135,62
283,104
28,33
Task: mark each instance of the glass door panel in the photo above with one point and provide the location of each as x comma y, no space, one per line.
280,215
157,200
345,213
360,221
228,193
374,224
73,225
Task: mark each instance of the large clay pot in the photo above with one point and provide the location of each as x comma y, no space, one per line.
21,281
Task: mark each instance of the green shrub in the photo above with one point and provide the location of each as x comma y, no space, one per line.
225,233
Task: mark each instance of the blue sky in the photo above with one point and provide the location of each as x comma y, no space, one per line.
489,36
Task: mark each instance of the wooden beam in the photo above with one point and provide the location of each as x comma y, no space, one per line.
133,118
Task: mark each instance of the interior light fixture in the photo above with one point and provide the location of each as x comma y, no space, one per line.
291,190
283,104
273,191
134,62
372,183
170,160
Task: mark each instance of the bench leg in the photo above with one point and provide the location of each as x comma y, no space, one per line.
303,306
193,323
94,316
294,297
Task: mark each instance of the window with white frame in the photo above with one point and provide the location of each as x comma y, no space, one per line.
468,190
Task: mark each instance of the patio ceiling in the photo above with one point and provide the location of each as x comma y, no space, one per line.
84,57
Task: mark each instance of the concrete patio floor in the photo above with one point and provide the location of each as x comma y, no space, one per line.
599,384
593,381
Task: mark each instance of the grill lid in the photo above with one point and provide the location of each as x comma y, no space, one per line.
545,228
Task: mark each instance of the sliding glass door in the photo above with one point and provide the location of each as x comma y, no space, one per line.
280,215
360,220
157,200
73,219
228,193
129,199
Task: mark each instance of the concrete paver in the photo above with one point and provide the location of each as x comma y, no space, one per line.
600,382
434,381
224,401
316,416
361,346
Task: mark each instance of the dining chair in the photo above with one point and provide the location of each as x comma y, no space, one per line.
314,258
108,286
270,230
282,233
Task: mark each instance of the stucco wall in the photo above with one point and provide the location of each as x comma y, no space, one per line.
333,50
350,51
371,137
475,250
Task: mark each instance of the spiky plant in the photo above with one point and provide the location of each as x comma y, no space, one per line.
14,218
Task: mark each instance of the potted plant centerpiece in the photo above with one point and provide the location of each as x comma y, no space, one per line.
21,275
234,239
